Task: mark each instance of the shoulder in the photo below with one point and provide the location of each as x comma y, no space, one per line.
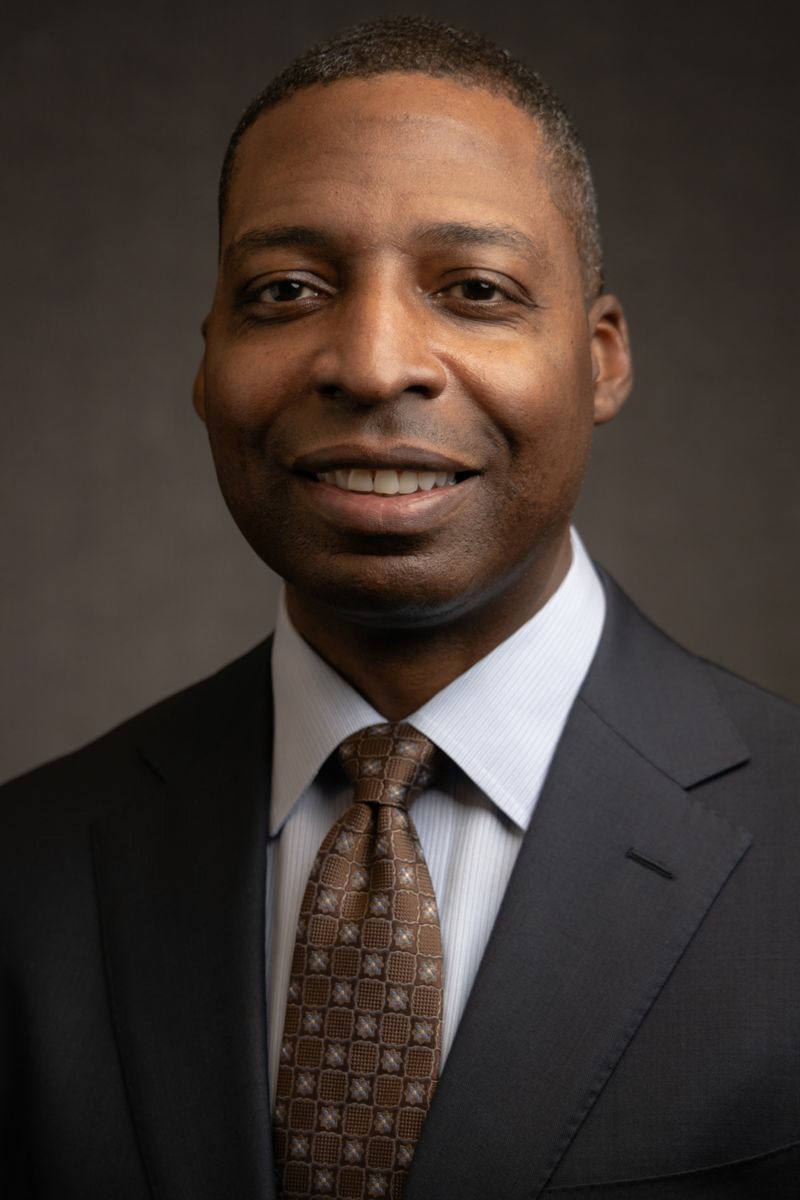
49,817
663,695
80,785
769,724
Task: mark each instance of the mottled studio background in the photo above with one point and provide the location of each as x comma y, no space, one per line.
124,577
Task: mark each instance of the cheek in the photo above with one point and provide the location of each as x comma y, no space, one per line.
539,405
250,399
243,391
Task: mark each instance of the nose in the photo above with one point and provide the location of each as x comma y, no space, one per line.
379,347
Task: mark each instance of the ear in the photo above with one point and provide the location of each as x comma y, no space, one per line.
612,368
199,386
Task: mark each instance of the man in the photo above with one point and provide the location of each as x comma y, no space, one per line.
408,348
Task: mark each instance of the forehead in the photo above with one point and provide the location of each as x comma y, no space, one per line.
386,152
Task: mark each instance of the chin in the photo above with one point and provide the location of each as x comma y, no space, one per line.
394,595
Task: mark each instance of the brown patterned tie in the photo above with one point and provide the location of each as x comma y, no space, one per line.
362,1035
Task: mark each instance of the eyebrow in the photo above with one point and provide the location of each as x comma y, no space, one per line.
444,234
275,237
459,233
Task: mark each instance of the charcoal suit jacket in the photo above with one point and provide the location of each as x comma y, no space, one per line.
634,1029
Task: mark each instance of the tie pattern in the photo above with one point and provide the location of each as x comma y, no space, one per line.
362,1034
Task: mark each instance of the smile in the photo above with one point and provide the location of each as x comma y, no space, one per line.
382,500
387,481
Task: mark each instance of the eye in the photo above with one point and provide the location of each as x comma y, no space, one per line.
281,298
281,291
483,296
478,289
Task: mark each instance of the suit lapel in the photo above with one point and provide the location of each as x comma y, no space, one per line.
181,890
617,870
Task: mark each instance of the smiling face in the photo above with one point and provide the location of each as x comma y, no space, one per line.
401,376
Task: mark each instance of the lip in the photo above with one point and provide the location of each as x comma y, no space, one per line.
370,513
372,457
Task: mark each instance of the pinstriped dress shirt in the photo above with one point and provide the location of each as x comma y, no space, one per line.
498,723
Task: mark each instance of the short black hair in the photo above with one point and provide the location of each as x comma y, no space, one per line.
425,46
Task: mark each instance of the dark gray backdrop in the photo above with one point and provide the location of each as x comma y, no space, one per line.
124,576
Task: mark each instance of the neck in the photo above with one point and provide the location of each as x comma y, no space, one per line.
398,668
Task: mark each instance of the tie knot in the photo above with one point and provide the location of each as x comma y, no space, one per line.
388,762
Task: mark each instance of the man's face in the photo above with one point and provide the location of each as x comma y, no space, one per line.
400,377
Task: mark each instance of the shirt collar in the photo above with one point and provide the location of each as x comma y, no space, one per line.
532,679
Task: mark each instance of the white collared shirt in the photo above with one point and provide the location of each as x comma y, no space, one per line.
498,723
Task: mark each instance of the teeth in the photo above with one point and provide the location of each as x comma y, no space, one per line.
407,482
387,482
360,481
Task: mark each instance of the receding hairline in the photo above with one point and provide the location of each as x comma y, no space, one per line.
468,83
